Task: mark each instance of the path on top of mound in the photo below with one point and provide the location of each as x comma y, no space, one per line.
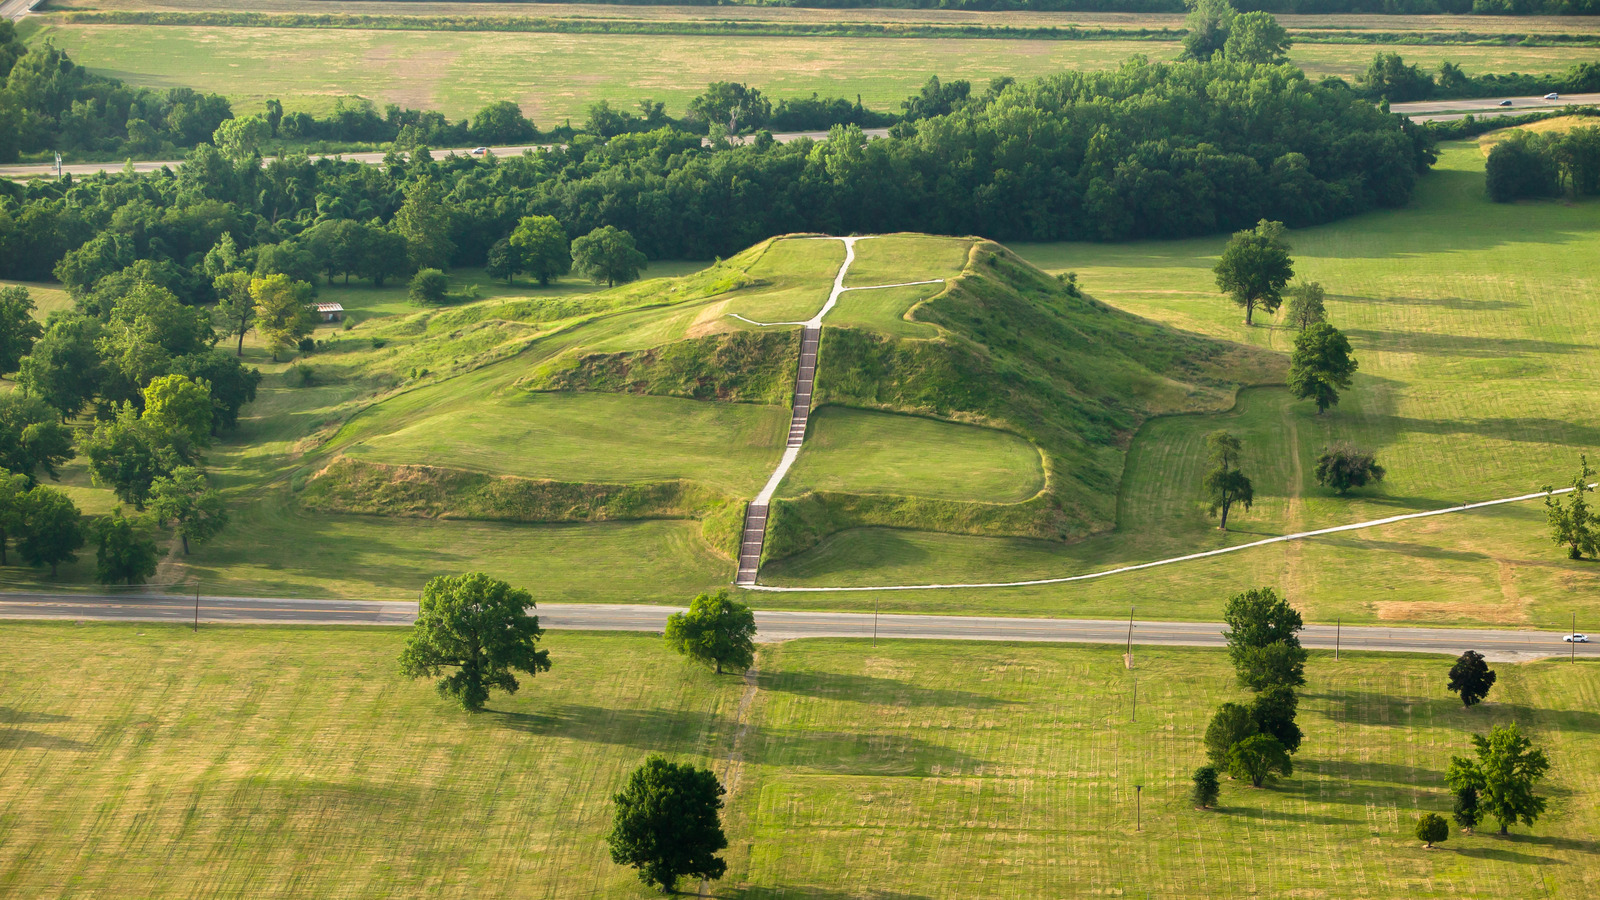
1300,535
754,534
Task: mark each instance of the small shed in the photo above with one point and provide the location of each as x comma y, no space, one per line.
329,312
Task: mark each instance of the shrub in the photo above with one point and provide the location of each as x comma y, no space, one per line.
1432,829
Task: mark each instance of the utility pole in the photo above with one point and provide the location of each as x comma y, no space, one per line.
1128,656
1138,807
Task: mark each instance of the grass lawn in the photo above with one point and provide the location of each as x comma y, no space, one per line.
869,452
790,282
146,761
899,258
882,309
1477,346
589,437
555,77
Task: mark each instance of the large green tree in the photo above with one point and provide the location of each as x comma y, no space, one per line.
424,221
1254,268
1274,710
1256,37
12,490
608,254
1471,678
1206,27
1344,466
1264,639
32,438
732,105
1230,724
542,247
668,824
1307,304
236,309
18,328
179,404
716,631
479,627
187,501
49,528
1321,365
1257,757
64,369
1572,524
1225,485
123,556
1505,773
283,313
128,453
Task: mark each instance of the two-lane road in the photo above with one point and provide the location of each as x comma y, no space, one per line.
779,625
16,9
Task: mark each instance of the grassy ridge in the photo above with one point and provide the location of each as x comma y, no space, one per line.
741,367
149,761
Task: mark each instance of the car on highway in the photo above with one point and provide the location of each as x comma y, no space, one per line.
1505,102
1552,96
1576,638
479,151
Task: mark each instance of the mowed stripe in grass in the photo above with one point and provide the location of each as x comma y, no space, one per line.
555,77
869,452
146,760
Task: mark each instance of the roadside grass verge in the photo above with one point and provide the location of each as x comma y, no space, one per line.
145,760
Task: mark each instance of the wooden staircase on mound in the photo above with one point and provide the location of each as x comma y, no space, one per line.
755,515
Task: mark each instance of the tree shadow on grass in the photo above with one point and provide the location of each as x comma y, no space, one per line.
1502,854
1457,303
1367,708
870,689
1376,777
24,739
1403,548
656,730
11,716
1459,345
812,892
1549,841
1279,815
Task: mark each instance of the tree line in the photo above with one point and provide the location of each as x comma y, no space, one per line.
1388,77
1416,7
1528,164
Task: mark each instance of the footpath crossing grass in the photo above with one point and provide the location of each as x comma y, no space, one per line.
1477,342
148,761
870,452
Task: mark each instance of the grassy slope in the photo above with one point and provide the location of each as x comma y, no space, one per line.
1477,345
145,761
555,77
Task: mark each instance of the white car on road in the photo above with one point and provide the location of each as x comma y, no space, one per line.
1575,638
1552,96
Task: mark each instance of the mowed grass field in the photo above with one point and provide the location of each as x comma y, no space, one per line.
1477,335
148,761
555,77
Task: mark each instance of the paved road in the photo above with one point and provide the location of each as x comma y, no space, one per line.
16,9
1519,105
34,170
781,625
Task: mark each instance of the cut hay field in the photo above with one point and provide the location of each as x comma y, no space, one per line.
1477,336
555,77
147,761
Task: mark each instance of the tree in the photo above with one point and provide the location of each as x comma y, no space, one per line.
1306,305
1225,485
504,261
283,313
1207,787
385,255
18,328
274,116
1230,724
732,104
49,528
1504,775
1432,829
129,453
1254,268
1206,27
1390,78
1572,524
12,490
716,631
424,221
178,403
1343,467
232,385
1466,812
480,627
608,254
1256,37
64,369
429,287
1321,365
1263,639
236,309
543,247
241,138
123,556
1471,678
1274,711
1257,757
502,122
185,499
32,437
667,824
146,328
